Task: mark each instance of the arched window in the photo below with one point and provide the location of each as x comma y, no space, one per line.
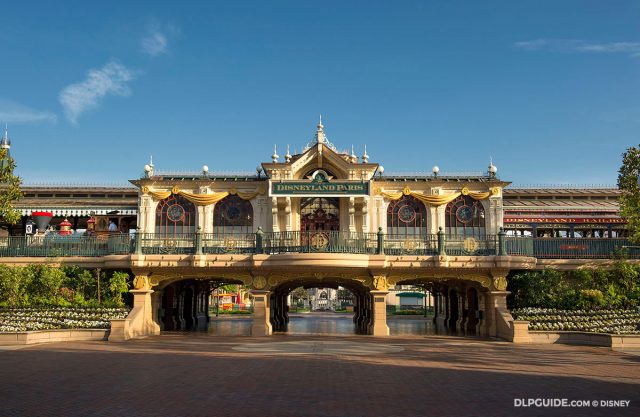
407,217
464,216
232,215
175,215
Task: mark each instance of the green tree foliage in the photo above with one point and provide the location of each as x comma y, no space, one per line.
630,198
618,287
44,285
9,189
118,285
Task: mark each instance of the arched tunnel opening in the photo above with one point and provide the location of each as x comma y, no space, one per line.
324,307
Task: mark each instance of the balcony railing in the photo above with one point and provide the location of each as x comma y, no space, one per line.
55,245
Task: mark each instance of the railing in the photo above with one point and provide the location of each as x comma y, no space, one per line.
411,245
228,243
322,241
156,244
55,245
571,248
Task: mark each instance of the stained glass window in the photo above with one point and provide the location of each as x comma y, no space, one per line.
464,216
319,213
233,215
406,217
175,215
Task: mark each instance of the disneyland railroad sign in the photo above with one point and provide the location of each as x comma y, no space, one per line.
319,185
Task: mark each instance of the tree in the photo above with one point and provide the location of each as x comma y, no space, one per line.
118,285
630,198
9,188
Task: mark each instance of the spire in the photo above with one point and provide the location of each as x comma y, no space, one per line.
287,156
151,161
5,143
275,155
353,156
365,157
320,132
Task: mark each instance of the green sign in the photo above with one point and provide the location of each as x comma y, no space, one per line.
320,186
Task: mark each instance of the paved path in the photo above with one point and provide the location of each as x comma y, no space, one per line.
201,375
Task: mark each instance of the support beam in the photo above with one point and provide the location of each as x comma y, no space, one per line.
378,326
261,325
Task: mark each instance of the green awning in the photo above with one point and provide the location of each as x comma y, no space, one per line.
410,294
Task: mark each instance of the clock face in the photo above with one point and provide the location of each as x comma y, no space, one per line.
464,214
406,214
175,213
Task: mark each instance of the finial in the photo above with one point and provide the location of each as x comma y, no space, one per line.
275,156
492,168
287,156
353,156
365,157
151,161
320,138
6,142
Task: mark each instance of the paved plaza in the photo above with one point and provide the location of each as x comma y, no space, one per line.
197,374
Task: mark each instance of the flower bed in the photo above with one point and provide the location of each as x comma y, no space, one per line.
593,321
26,319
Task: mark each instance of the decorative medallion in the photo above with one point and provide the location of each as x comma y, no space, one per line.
233,191
470,245
495,190
380,282
262,189
273,281
406,214
259,282
175,213
500,283
140,282
464,214
377,191
230,243
175,189
406,191
145,189
410,244
465,191
319,240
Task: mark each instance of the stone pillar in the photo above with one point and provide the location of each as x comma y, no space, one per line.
274,214
498,319
288,215
365,214
261,326
462,304
352,214
378,326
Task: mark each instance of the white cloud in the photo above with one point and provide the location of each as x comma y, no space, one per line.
577,45
12,112
111,79
156,41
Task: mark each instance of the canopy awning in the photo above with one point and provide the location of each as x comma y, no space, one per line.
81,211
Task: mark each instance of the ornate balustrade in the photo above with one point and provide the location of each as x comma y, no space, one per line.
56,245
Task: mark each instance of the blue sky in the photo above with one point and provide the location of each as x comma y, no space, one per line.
549,89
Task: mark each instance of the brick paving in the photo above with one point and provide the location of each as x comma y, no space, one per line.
201,375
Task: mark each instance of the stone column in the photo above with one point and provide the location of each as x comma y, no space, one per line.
378,326
288,215
274,214
365,214
261,325
496,314
352,214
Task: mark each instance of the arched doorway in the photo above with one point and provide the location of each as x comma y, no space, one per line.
319,214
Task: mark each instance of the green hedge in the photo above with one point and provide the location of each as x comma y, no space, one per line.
49,286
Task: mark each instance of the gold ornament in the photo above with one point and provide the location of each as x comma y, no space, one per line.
145,190
233,191
470,244
140,282
262,189
465,191
259,282
500,283
175,189
495,190
406,191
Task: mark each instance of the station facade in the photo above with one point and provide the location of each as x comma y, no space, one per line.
326,218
